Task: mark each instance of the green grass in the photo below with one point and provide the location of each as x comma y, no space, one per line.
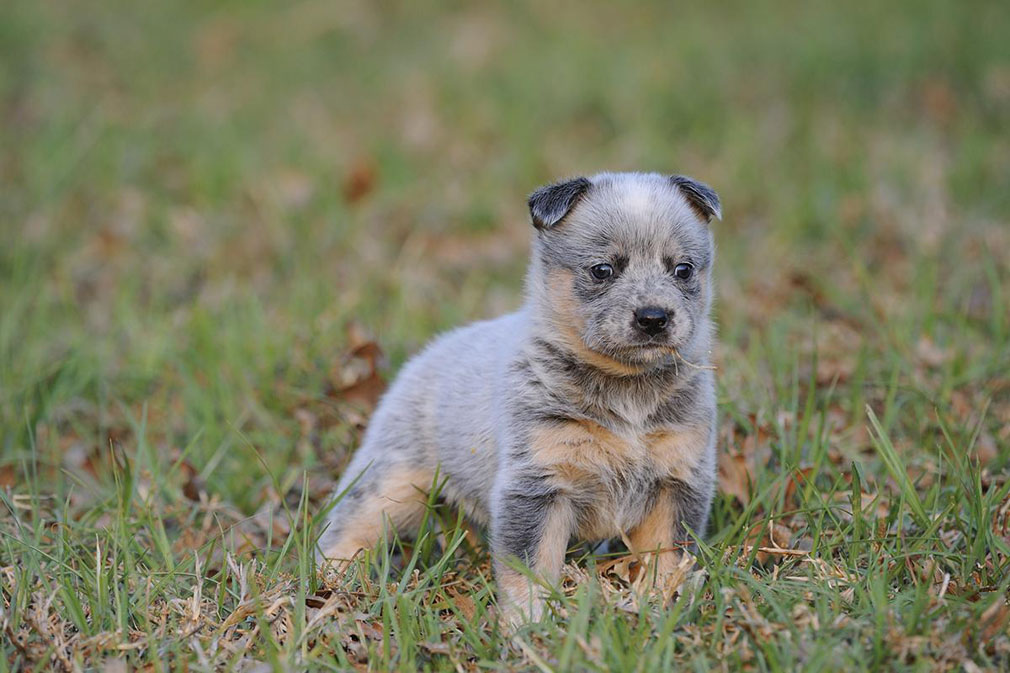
202,209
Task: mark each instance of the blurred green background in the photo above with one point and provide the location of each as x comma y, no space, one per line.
197,198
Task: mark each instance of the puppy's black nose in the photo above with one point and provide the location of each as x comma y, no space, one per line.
651,320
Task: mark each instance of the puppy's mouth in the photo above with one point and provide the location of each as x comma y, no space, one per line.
635,349
650,350
659,342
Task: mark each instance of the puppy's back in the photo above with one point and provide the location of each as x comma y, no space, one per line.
442,412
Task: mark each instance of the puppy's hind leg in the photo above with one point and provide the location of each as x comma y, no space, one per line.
397,494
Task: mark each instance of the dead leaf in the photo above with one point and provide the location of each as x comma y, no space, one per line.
8,476
360,181
734,476
994,620
369,628
939,101
194,484
799,478
355,377
748,450
463,603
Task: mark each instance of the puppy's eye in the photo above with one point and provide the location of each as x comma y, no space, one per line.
683,271
602,271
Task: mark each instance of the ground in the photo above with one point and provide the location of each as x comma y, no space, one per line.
223,228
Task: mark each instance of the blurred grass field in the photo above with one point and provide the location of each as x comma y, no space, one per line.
212,218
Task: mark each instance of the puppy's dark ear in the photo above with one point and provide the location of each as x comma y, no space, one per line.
550,204
702,198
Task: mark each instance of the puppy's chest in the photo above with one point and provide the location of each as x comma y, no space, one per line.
610,477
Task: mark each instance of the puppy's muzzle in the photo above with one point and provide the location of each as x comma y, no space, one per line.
651,320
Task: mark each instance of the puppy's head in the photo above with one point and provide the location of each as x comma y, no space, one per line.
622,265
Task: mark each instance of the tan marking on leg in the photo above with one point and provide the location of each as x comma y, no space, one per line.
401,498
666,564
557,530
565,316
517,601
652,539
522,597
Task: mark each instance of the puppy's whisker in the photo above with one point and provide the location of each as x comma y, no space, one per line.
687,362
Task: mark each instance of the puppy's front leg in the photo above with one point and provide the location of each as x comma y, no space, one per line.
654,538
531,525
662,534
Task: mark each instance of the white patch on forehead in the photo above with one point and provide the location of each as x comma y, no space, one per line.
638,199
647,200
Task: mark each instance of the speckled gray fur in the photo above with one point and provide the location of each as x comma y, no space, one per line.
470,403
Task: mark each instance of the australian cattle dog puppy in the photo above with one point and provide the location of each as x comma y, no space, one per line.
588,414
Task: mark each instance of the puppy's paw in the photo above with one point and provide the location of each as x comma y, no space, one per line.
512,616
663,573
